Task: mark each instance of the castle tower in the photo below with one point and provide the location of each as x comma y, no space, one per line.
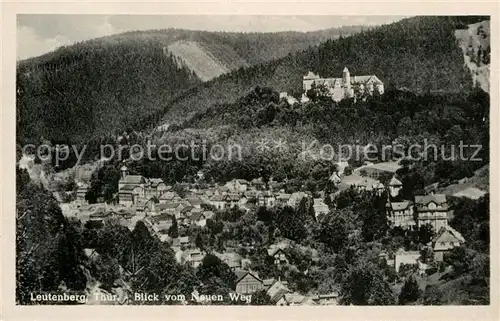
346,82
346,77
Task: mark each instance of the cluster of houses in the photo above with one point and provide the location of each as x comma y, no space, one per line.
153,199
430,209
248,282
445,239
159,205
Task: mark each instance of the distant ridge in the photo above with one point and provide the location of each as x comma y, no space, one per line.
106,85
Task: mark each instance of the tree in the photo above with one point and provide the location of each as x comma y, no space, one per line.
215,274
261,298
317,92
425,233
264,214
427,254
49,250
291,225
262,262
372,212
104,183
199,241
410,292
107,270
173,230
152,263
185,283
364,284
333,231
215,226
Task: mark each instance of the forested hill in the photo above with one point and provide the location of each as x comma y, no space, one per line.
105,85
420,54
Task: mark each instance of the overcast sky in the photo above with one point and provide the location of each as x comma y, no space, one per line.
38,34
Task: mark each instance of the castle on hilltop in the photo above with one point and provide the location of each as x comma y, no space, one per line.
345,87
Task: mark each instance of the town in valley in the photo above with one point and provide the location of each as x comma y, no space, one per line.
277,225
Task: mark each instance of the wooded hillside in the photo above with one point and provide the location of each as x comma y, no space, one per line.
109,84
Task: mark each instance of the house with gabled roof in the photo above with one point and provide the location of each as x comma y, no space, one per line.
266,198
218,201
198,218
237,186
395,186
207,194
320,208
283,198
135,188
232,259
188,209
232,200
194,201
81,193
276,289
278,254
401,214
91,254
169,196
250,195
432,209
247,282
170,208
220,190
295,198
257,183
193,257
290,299
208,214
181,241
445,240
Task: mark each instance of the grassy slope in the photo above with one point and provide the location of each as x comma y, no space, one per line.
198,58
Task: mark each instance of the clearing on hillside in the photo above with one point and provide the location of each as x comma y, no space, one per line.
199,59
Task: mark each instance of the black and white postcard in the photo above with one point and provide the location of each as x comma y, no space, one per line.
254,159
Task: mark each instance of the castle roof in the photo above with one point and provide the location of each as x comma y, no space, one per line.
355,80
311,75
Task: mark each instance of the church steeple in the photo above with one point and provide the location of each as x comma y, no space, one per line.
124,171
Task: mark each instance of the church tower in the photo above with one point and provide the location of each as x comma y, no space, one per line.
124,171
